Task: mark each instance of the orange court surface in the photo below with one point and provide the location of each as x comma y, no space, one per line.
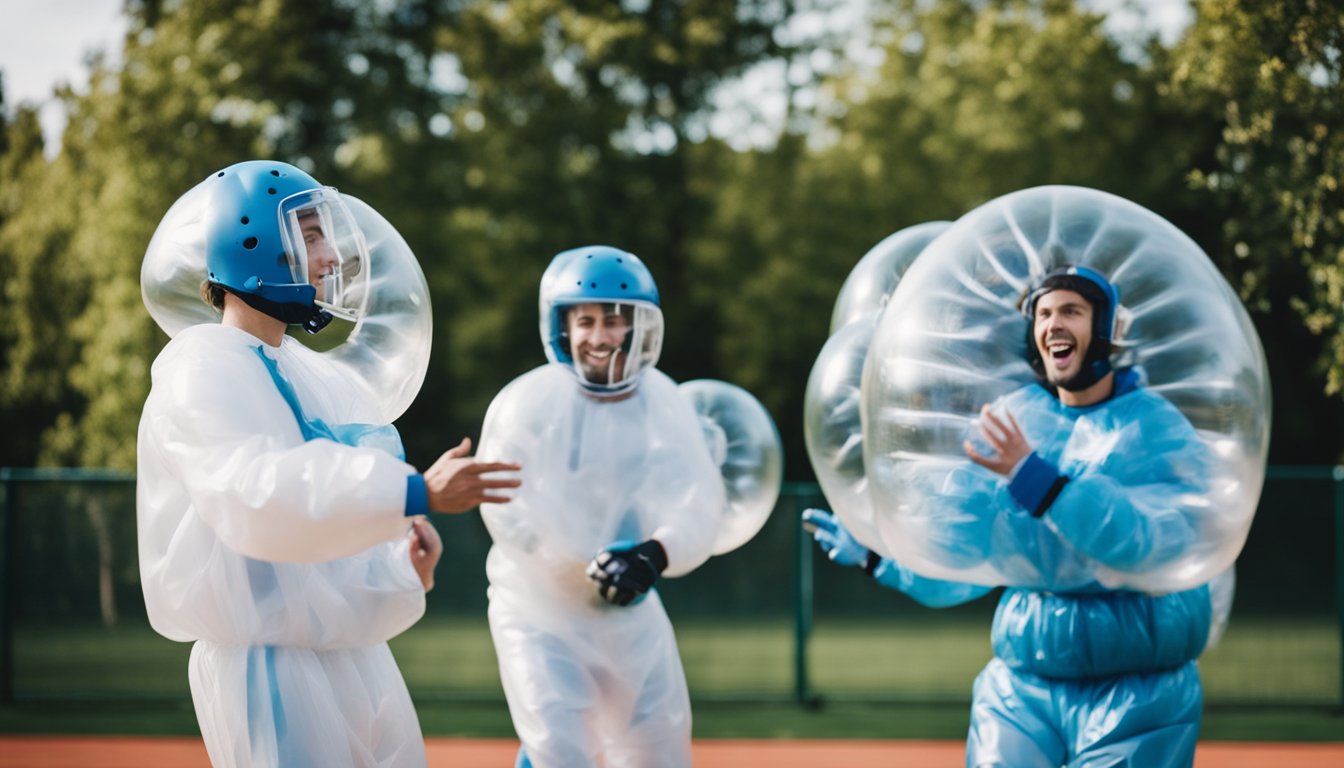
180,752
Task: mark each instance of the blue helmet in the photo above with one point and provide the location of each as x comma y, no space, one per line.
283,243
618,283
1106,310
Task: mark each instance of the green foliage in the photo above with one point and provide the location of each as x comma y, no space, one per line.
972,100
493,135
574,127
1274,70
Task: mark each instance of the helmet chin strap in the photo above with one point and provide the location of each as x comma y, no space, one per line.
317,321
313,319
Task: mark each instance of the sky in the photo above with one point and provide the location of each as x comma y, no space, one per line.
44,43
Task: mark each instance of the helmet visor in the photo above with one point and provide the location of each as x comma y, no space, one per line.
611,343
326,249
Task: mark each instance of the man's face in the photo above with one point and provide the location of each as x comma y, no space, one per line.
595,339
1062,328
322,257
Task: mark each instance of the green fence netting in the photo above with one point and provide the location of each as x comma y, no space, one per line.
771,621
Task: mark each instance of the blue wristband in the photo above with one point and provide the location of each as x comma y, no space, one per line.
1036,484
417,496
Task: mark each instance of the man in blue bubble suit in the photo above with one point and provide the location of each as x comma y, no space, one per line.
279,526
1085,675
619,491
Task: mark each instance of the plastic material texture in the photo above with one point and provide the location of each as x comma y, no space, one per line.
285,558
583,676
745,445
832,427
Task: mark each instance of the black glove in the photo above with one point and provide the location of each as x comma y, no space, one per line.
624,572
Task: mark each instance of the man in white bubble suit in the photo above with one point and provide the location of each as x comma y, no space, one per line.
619,490
280,528
1085,675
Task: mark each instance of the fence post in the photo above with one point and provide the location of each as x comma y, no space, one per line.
7,590
802,615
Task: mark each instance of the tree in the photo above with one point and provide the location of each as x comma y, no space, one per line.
1271,73
576,123
970,100
326,86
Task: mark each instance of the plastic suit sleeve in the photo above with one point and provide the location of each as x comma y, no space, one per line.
1135,500
932,593
264,496
370,598
688,539
684,480
1138,521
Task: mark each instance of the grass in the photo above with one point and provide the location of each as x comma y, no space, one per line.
1269,679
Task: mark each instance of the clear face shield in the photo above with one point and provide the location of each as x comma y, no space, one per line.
611,344
326,249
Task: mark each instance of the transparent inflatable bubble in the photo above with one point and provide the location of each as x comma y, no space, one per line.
1221,591
833,432
952,339
745,445
871,282
386,350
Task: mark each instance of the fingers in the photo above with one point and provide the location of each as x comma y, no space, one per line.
482,467
994,430
976,456
818,519
429,535
460,450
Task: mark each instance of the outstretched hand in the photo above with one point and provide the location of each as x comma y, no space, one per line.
834,538
456,482
1005,437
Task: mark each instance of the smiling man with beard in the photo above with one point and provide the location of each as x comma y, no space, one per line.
620,491
1085,467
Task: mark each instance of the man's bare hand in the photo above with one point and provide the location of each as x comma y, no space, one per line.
456,482
426,548
1005,437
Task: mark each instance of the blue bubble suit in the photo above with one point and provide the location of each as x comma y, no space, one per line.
1159,498
832,430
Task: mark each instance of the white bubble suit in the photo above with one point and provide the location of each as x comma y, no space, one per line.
744,443
386,350
953,339
831,422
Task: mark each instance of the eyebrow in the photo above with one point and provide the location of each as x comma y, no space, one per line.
1068,304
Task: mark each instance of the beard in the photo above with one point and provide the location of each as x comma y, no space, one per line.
1091,369
1079,380
610,372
